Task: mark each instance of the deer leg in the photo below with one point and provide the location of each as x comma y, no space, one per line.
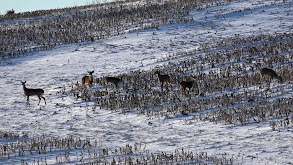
162,85
39,100
44,99
167,86
27,100
183,91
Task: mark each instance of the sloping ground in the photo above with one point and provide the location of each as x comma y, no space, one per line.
255,142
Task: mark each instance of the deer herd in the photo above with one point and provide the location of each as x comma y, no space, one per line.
163,79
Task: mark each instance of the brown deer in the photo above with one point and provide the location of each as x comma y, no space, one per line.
112,80
186,84
88,80
32,92
269,72
163,79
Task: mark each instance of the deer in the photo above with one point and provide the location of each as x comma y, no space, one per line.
112,80
163,79
269,72
88,80
33,92
187,84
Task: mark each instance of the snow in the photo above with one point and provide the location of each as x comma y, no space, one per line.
51,70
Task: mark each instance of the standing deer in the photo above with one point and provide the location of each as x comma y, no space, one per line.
32,92
269,72
88,80
163,79
112,80
186,84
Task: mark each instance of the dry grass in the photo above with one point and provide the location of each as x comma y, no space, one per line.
45,150
228,88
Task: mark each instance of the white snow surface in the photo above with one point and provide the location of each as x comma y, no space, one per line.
63,116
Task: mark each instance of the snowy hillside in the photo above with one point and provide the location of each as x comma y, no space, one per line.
222,46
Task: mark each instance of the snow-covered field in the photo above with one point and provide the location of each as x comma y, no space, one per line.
255,143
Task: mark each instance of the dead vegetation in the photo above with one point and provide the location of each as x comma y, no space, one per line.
45,150
228,88
79,26
46,29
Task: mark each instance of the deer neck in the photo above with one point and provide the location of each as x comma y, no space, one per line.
91,78
25,90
